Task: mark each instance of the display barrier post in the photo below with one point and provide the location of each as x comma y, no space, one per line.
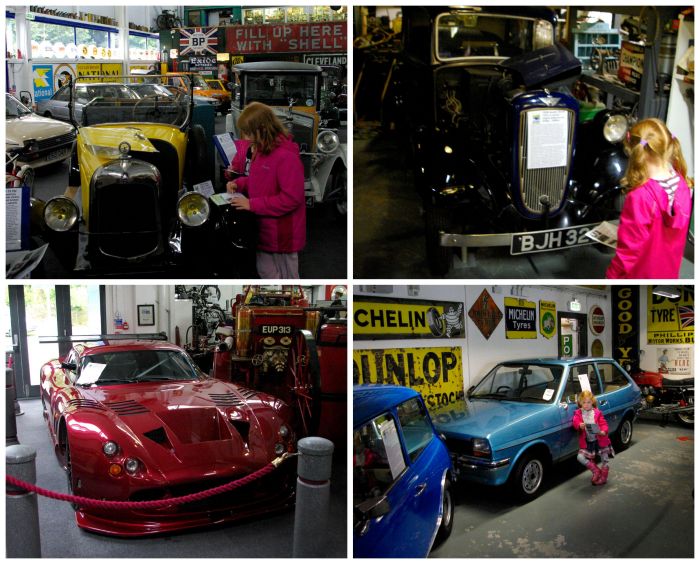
21,507
313,497
10,420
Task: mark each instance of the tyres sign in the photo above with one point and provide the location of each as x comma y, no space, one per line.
434,372
521,319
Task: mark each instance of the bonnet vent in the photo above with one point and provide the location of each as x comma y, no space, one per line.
129,407
228,399
84,403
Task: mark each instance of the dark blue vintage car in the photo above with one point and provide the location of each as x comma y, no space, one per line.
402,475
517,421
483,97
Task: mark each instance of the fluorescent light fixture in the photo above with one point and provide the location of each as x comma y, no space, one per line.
666,291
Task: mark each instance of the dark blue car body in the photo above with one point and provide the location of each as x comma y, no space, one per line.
518,420
399,502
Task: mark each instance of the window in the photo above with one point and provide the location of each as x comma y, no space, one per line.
416,427
11,38
573,383
52,32
612,377
95,37
377,458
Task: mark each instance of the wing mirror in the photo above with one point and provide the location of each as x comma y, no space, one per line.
368,510
69,366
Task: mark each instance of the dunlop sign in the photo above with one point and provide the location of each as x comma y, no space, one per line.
434,372
396,318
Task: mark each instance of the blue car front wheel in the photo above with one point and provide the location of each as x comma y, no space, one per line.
528,477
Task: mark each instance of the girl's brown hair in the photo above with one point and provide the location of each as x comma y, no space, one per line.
584,395
260,124
650,138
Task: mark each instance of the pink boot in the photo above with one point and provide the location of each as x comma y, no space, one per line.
602,477
595,471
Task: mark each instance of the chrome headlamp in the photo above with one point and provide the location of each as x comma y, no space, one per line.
327,141
110,448
615,128
61,214
481,447
193,209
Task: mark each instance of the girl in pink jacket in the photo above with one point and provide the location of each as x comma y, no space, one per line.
593,437
656,213
273,190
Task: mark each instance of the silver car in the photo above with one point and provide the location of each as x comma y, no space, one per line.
43,141
85,93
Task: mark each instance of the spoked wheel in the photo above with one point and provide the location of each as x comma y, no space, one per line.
303,382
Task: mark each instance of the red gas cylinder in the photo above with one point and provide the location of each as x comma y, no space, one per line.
332,355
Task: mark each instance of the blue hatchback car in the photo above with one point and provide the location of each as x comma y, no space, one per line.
517,421
402,475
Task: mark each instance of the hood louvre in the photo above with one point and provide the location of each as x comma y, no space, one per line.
128,407
229,399
85,403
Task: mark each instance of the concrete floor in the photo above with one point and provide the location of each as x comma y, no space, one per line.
269,537
325,255
388,240
646,510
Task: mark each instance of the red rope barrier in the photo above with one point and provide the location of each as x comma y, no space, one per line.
153,504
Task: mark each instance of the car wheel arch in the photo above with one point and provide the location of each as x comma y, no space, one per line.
537,451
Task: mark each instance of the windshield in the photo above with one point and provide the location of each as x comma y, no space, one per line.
460,35
199,82
14,108
277,89
121,101
532,383
214,85
135,366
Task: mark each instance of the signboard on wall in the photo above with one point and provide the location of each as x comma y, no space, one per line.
521,318
323,37
671,321
625,324
397,318
199,40
548,319
327,59
485,314
674,361
205,63
596,320
566,346
87,70
434,372
42,81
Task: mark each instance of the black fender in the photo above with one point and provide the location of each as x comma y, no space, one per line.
196,155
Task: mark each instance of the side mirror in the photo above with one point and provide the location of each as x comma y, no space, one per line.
470,390
368,510
69,366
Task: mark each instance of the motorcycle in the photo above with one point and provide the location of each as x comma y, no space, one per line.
665,396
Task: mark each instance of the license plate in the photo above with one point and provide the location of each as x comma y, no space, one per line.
58,154
550,240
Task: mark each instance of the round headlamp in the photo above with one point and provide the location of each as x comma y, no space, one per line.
110,448
61,214
131,465
193,209
280,449
284,431
327,141
615,128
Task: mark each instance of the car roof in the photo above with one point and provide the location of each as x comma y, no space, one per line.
540,12
372,399
555,360
277,66
129,345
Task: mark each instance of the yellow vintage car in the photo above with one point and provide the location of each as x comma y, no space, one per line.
138,165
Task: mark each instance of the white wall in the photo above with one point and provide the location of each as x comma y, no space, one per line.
480,354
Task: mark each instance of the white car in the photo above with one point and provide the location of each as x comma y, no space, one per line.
45,141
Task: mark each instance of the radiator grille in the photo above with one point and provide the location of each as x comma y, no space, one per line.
540,184
45,144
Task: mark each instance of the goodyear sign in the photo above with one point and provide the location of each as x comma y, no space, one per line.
434,372
625,323
398,318
671,321
521,319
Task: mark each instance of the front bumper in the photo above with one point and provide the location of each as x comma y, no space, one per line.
487,472
272,493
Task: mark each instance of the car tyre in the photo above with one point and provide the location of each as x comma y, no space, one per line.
196,155
622,438
69,474
439,258
528,478
448,513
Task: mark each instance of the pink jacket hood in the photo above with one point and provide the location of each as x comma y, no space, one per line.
651,238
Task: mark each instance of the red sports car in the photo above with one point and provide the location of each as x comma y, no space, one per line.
138,421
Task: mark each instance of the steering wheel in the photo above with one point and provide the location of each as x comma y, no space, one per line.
504,388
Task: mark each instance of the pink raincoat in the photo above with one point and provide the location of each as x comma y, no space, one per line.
650,239
603,440
275,188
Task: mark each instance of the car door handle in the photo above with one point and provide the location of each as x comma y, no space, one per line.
603,402
420,488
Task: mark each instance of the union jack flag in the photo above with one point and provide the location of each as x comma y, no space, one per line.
199,40
687,316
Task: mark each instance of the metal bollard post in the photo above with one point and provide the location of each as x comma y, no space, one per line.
10,420
313,497
21,507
